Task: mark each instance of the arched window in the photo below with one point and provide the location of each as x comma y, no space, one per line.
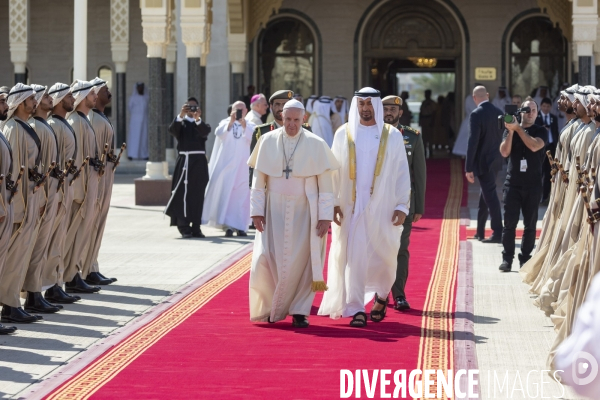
287,57
105,73
538,56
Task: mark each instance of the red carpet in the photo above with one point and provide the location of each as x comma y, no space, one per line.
206,347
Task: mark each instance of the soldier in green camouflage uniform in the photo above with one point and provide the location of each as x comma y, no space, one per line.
415,152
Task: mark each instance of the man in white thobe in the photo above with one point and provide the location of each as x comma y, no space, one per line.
292,208
502,98
227,199
137,140
372,199
320,119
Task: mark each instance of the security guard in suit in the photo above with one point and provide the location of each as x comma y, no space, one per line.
276,102
415,152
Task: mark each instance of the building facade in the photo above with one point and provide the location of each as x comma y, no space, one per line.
213,49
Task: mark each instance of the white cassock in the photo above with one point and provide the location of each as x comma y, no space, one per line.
137,140
288,258
583,347
362,257
462,140
227,199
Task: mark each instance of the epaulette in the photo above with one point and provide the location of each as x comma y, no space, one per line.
413,130
307,126
264,128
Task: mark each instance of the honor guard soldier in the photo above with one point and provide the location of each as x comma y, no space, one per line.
415,153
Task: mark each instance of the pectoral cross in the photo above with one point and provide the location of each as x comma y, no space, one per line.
287,171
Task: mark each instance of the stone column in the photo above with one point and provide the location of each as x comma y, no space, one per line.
237,46
169,109
585,22
203,82
156,31
193,35
80,40
18,31
119,45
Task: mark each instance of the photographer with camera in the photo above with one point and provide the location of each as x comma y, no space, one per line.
191,170
523,144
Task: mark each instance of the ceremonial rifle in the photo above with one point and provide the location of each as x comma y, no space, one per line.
63,174
553,166
76,174
102,160
14,186
118,160
579,180
44,177
563,174
593,217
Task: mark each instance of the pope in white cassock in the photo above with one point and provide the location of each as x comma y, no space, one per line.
372,196
292,209
227,199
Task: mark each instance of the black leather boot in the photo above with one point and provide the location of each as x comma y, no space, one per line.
58,295
6,330
46,302
35,303
17,314
104,277
77,285
94,278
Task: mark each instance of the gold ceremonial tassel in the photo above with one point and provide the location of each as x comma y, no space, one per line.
352,160
319,286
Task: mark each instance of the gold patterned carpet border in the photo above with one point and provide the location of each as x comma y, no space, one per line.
90,380
436,350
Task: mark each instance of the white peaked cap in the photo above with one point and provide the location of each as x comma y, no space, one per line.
293,103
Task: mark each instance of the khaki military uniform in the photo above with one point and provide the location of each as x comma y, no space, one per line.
415,152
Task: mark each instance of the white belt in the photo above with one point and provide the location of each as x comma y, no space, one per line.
185,181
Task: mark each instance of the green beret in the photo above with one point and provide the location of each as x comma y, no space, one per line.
392,101
281,95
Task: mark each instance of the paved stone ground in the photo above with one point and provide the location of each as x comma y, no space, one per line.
151,262
513,337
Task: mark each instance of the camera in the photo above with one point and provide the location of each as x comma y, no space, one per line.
193,108
511,113
238,114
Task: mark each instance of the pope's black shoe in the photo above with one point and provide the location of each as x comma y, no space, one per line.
7,330
94,278
401,303
18,315
35,303
77,285
299,321
58,295
103,277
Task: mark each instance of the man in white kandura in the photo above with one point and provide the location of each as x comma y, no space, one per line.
227,200
372,196
292,209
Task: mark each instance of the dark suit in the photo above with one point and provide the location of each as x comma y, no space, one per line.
553,126
485,161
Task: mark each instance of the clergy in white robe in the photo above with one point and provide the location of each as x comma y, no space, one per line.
137,139
372,199
227,199
292,208
258,108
